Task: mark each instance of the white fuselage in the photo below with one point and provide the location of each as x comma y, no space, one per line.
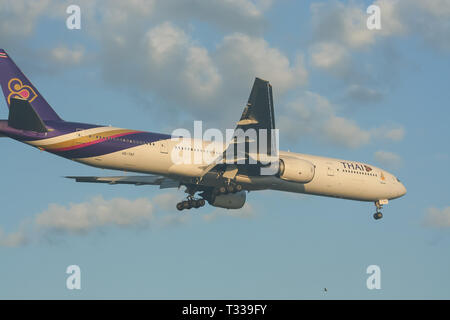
332,177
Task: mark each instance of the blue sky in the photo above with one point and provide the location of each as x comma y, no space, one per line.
340,90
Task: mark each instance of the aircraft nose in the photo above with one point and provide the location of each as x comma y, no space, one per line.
402,190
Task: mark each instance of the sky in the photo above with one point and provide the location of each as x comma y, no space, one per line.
340,90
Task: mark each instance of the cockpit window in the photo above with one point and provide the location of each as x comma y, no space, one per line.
398,180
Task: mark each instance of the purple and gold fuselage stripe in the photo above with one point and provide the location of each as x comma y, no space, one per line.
80,142
82,145
108,146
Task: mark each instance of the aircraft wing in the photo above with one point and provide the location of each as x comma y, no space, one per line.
163,182
258,115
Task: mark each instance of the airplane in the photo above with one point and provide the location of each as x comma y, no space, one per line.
223,182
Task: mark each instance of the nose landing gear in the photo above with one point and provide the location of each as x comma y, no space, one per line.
379,205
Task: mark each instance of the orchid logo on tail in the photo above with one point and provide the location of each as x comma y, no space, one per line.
19,90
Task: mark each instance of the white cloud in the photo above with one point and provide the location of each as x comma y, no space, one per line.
92,215
185,74
327,55
391,22
231,15
165,41
65,56
122,16
96,213
304,116
19,17
344,24
119,12
166,201
201,75
14,239
427,20
243,57
179,68
149,46
339,31
391,133
99,214
437,218
340,37
362,94
312,115
345,132
388,159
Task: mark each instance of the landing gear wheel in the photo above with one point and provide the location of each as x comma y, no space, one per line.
377,215
196,204
238,188
222,190
191,203
187,205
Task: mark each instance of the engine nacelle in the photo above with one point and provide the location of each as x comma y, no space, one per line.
229,201
296,170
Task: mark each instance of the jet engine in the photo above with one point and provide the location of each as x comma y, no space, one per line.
229,201
296,170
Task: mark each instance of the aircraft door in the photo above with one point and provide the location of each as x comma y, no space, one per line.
330,170
332,181
163,147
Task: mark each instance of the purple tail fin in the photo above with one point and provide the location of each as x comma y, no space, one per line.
16,85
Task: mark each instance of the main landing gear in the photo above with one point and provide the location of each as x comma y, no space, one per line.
379,205
191,203
229,188
206,195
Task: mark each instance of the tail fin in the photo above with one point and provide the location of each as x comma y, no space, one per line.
16,85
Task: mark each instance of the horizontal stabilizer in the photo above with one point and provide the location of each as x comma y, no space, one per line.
22,116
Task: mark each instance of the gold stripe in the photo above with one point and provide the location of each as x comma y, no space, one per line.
97,131
86,139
